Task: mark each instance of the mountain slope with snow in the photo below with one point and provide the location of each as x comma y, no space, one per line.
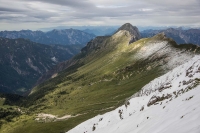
98,80
167,104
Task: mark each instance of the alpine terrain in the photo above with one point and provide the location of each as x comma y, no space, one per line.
178,34
119,83
167,104
22,62
62,37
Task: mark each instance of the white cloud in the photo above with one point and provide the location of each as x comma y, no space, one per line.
145,9
34,14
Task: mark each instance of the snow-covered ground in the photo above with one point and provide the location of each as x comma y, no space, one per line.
156,49
168,104
42,117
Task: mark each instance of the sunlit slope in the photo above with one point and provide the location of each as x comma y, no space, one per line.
172,99
107,76
100,79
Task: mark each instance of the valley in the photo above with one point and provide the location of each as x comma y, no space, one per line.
108,72
22,62
117,66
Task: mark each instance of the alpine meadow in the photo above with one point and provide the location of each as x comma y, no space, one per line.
99,66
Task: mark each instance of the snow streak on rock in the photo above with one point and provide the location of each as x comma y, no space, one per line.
167,104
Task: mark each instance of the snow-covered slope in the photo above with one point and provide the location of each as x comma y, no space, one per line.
168,104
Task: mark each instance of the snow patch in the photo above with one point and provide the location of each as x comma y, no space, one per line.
42,117
151,48
167,104
54,59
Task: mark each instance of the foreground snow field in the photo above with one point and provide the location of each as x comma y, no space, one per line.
168,104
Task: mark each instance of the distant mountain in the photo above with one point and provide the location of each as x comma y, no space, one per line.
133,30
22,62
101,31
62,37
102,77
96,30
179,35
94,45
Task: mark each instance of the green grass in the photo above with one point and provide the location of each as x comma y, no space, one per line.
28,125
102,79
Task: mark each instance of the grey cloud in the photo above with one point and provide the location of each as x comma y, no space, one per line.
84,12
70,3
4,9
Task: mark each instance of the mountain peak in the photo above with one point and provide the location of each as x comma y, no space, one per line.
160,36
126,26
133,30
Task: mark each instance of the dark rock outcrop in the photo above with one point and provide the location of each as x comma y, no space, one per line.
133,30
94,44
155,99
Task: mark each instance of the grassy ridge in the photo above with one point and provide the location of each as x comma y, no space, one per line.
101,81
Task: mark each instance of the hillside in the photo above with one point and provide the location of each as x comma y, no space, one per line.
167,104
62,37
107,72
22,62
179,35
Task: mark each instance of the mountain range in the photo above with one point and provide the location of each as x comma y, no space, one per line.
62,37
22,62
101,31
178,34
118,83
96,30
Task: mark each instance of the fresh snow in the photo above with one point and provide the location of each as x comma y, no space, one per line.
173,57
42,117
176,111
54,59
151,48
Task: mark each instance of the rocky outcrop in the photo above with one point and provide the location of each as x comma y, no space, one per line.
133,30
94,44
156,99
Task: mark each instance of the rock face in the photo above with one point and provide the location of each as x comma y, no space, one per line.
133,30
22,62
62,37
179,35
94,44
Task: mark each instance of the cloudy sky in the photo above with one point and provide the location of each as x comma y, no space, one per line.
36,14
